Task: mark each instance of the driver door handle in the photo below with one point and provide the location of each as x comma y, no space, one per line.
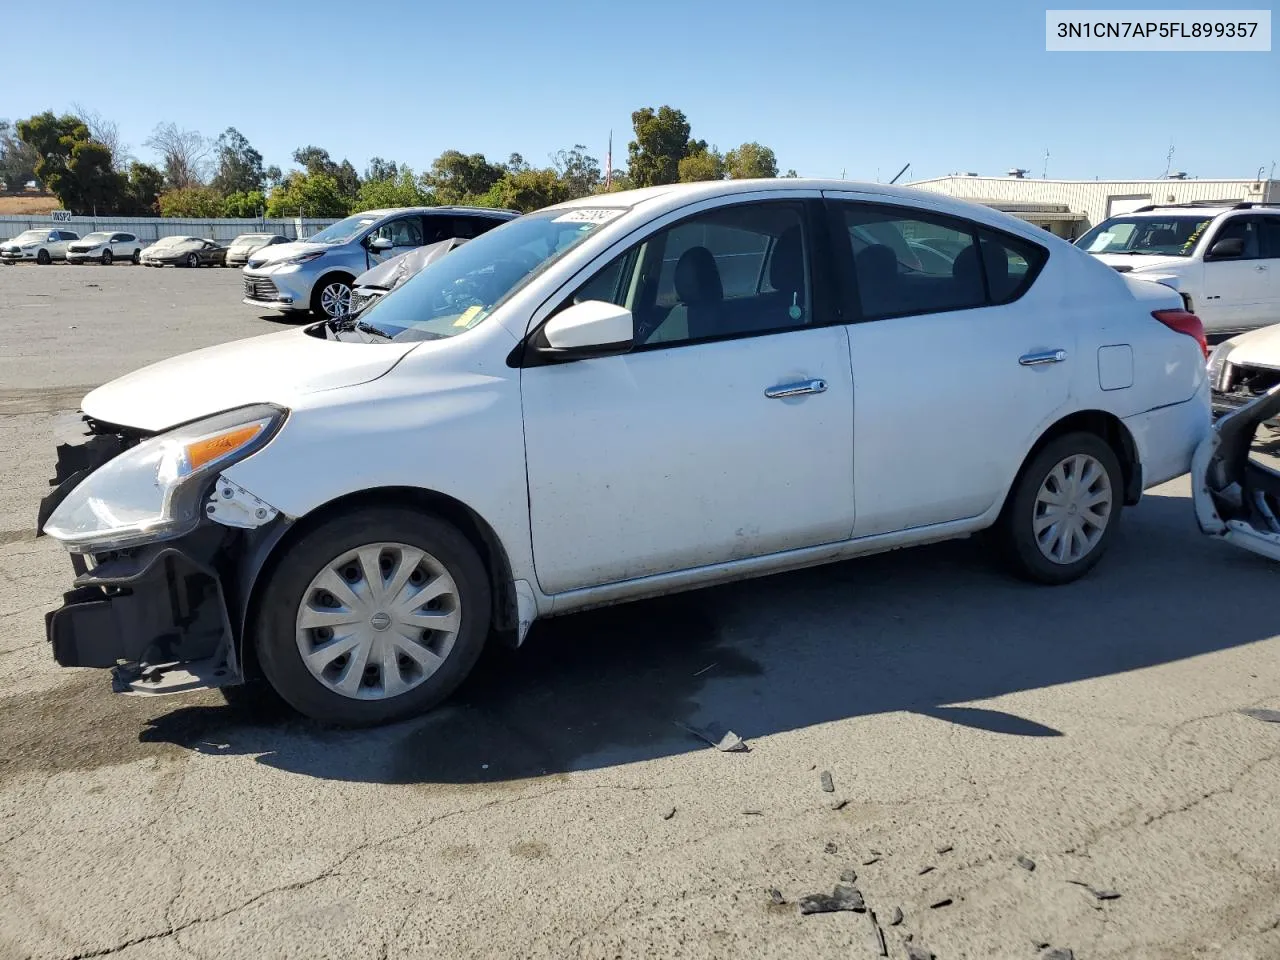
784,390
1043,357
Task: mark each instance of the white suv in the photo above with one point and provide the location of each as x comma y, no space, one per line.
1224,260
105,247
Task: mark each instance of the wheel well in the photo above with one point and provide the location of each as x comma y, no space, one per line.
325,278
466,520
1117,436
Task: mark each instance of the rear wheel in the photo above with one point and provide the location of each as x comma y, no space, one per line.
193,260
106,257
1063,510
43,258
374,616
137,257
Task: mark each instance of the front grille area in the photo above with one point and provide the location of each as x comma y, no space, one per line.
260,288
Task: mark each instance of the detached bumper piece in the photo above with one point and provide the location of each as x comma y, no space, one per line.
157,617
1236,497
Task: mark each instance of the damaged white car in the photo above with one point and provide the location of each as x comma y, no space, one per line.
613,398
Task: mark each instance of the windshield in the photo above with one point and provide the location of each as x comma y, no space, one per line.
97,237
1166,236
247,238
31,236
458,291
342,231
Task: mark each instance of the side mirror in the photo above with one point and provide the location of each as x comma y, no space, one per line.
593,328
379,244
1226,249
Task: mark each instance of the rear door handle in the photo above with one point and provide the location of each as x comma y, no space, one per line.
799,389
1043,357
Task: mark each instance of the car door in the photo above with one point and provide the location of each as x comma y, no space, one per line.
122,245
1235,286
1270,264
726,433
954,376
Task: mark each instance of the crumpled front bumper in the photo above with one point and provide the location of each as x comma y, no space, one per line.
1236,496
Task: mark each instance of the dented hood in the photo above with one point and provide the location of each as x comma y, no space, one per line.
275,368
1257,348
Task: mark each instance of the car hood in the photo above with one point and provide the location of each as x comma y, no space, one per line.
273,368
283,251
1259,347
391,273
1138,262
156,250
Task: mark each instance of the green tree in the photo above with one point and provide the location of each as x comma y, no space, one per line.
317,161
405,189
315,194
272,177
52,138
244,204
457,177
145,186
92,182
791,175
705,164
239,165
662,141
379,169
749,161
532,190
579,172
17,159
191,202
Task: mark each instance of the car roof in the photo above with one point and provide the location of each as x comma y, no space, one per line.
662,199
488,211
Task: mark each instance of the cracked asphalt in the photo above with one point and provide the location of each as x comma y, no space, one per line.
1094,729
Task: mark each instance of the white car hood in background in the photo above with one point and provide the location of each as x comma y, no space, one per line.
275,368
1139,262
283,251
1256,348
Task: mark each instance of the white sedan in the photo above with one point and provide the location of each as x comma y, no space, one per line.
105,247
617,397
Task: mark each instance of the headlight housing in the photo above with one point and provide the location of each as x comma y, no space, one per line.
154,491
303,258
1218,364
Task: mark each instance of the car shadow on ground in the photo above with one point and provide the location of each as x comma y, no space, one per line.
926,630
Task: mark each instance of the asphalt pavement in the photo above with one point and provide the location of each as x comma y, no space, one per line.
1013,768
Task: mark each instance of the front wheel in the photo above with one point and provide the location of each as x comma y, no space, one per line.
1063,510
43,258
374,616
193,260
332,298
106,258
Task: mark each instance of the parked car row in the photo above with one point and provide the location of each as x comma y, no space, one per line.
44,246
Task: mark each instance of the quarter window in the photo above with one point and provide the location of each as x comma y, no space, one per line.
1270,237
729,272
909,262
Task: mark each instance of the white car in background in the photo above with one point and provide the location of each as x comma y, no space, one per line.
240,249
617,397
105,247
41,246
1223,260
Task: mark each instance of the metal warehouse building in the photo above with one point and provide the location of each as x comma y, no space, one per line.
1070,207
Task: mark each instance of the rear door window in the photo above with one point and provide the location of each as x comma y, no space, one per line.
1270,238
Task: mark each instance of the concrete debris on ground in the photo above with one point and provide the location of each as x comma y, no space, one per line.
896,917
1025,862
1099,894
668,813
944,902
842,897
1058,953
879,946
752,812
838,804
1261,713
726,741
828,784
927,868
870,860
776,897
945,848
830,848
917,952
849,876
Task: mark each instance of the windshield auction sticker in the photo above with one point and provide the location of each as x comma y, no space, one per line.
591,215
1232,31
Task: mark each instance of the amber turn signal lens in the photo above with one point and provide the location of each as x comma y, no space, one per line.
211,448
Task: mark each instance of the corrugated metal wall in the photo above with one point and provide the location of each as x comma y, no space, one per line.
1095,198
153,228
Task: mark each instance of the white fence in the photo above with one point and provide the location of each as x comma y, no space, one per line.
153,228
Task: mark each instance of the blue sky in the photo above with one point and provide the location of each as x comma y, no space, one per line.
831,86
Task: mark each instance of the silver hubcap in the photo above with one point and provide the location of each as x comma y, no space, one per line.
335,300
378,621
193,260
1072,509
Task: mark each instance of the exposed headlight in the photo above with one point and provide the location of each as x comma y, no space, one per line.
1218,363
154,491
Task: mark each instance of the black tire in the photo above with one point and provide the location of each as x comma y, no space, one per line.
106,257
137,257
274,625
43,258
1014,533
193,260
317,292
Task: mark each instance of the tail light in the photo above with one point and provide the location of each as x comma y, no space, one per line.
1184,321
